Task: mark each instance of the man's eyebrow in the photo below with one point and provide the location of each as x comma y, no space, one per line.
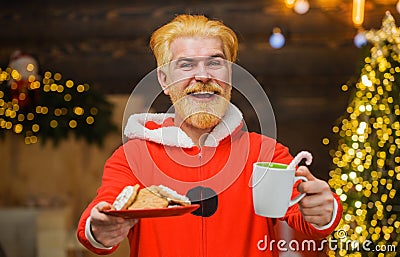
189,59
184,59
217,56
192,59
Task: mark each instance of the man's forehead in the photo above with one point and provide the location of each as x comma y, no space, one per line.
190,47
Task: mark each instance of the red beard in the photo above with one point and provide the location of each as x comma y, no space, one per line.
201,114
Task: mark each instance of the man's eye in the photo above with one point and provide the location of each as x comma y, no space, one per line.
186,65
215,64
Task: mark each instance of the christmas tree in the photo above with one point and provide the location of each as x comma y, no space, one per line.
48,107
366,163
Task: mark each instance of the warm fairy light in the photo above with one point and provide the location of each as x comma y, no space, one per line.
57,76
366,81
301,6
73,123
15,75
35,128
366,163
8,125
30,116
18,128
67,97
60,88
80,88
30,67
21,117
53,87
94,111
64,111
358,12
78,110
89,120
31,78
57,112
362,127
290,3
69,83
44,110
53,123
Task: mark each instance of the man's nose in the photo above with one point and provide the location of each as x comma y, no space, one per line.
202,73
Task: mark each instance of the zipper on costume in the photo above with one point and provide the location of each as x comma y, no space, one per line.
203,224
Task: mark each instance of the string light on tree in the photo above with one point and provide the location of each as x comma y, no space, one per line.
366,163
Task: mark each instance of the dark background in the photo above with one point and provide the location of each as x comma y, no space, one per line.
105,43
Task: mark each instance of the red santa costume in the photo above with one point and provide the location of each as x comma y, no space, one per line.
219,172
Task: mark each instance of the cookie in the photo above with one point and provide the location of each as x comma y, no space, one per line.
126,197
172,196
147,199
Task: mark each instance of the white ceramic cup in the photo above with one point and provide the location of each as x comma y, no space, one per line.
272,189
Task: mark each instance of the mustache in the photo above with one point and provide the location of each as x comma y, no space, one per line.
198,87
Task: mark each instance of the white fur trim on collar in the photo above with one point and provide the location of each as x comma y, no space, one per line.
174,136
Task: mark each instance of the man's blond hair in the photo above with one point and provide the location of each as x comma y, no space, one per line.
189,26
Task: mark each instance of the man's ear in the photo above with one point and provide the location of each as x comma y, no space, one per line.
162,79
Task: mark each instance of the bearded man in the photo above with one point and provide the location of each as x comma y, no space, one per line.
200,151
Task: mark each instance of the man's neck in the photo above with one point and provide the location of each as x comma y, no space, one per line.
197,135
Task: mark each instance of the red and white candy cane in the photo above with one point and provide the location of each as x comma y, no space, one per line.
302,155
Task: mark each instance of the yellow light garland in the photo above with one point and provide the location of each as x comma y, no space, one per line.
52,109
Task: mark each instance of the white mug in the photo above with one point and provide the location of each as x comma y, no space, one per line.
272,189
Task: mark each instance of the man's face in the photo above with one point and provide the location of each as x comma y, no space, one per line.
198,81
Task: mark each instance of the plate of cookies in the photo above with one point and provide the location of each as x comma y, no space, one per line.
150,202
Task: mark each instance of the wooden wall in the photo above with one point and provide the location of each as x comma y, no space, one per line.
46,176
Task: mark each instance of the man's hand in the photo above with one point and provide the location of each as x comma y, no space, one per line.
109,230
317,205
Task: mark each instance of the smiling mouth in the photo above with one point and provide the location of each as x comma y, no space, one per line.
203,95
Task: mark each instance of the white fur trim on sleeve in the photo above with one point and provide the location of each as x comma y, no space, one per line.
335,209
91,239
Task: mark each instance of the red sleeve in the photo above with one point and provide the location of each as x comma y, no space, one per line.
295,220
271,151
117,174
